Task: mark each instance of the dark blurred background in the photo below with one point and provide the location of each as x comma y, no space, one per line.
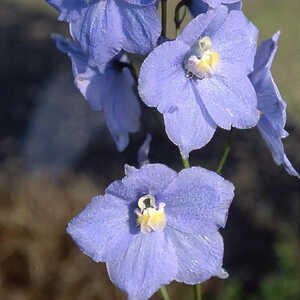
55,154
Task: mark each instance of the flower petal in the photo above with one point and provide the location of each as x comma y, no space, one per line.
270,102
106,27
141,2
197,201
189,127
121,106
102,229
204,25
275,145
98,31
110,90
229,98
266,53
236,41
230,1
199,257
213,3
149,179
149,263
69,10
162,78
140,28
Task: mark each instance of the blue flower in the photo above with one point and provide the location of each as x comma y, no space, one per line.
200,80
155,226
270,103
197,7
110,91
104,27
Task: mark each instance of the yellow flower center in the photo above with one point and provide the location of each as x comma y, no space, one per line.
149,217
201,61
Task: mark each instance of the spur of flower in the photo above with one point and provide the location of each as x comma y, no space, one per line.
200,80
109,89
270,103
156,225
105,27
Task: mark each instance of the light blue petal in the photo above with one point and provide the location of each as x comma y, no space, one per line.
235,5
230,1
121,106
150,179
229,98
197,201
149,263
270,102
213,3
106,27
69,10
189,127
141,2
266,52
98,31
111,91
162,80
199,257
274,143
203,25
140,28
236,41
102,229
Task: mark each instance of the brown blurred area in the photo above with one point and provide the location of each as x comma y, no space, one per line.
55,154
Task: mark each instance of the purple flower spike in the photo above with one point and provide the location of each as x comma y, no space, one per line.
155,226
105,27
110,91
200,80
273,107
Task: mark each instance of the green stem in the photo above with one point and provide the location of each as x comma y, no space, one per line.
197,292
225,154
186,163
164,293
164,17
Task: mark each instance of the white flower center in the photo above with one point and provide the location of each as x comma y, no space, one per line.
149,216
201,61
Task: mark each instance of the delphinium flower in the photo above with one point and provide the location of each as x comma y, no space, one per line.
200,80
104,27
270,103
155,226
197,7
110,91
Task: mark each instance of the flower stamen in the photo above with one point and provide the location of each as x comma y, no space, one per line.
149,216
201,61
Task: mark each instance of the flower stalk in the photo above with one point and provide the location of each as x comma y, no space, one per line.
225,153
164,17
164,293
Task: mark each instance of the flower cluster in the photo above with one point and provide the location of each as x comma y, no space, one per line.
156,225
